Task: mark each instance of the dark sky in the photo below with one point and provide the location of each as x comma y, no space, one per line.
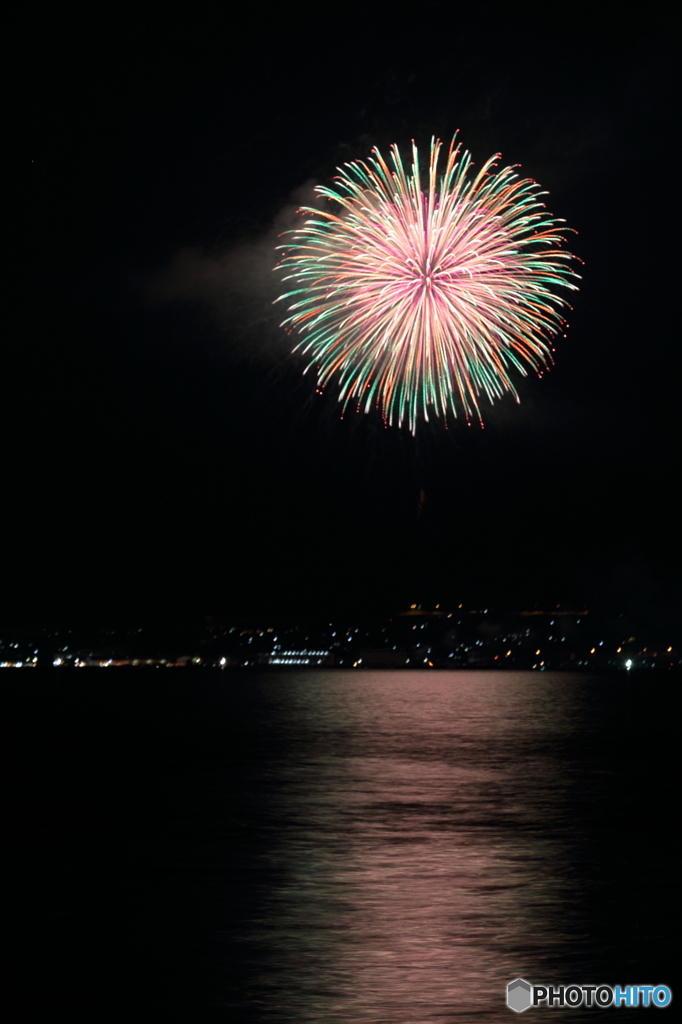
163,454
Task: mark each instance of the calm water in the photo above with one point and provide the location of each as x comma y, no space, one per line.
329,846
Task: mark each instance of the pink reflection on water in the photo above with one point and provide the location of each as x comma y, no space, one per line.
451,878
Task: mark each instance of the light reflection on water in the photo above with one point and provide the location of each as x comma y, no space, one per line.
428,837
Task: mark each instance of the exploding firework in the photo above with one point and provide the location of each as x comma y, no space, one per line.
420,296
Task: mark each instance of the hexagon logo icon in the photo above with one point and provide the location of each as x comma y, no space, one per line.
518,995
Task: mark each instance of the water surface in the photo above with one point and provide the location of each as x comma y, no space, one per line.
346,846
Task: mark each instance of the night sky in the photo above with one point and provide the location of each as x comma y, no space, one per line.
163,455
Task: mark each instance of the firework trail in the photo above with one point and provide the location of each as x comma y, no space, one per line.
421,296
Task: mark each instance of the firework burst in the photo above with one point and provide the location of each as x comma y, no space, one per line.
420,297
